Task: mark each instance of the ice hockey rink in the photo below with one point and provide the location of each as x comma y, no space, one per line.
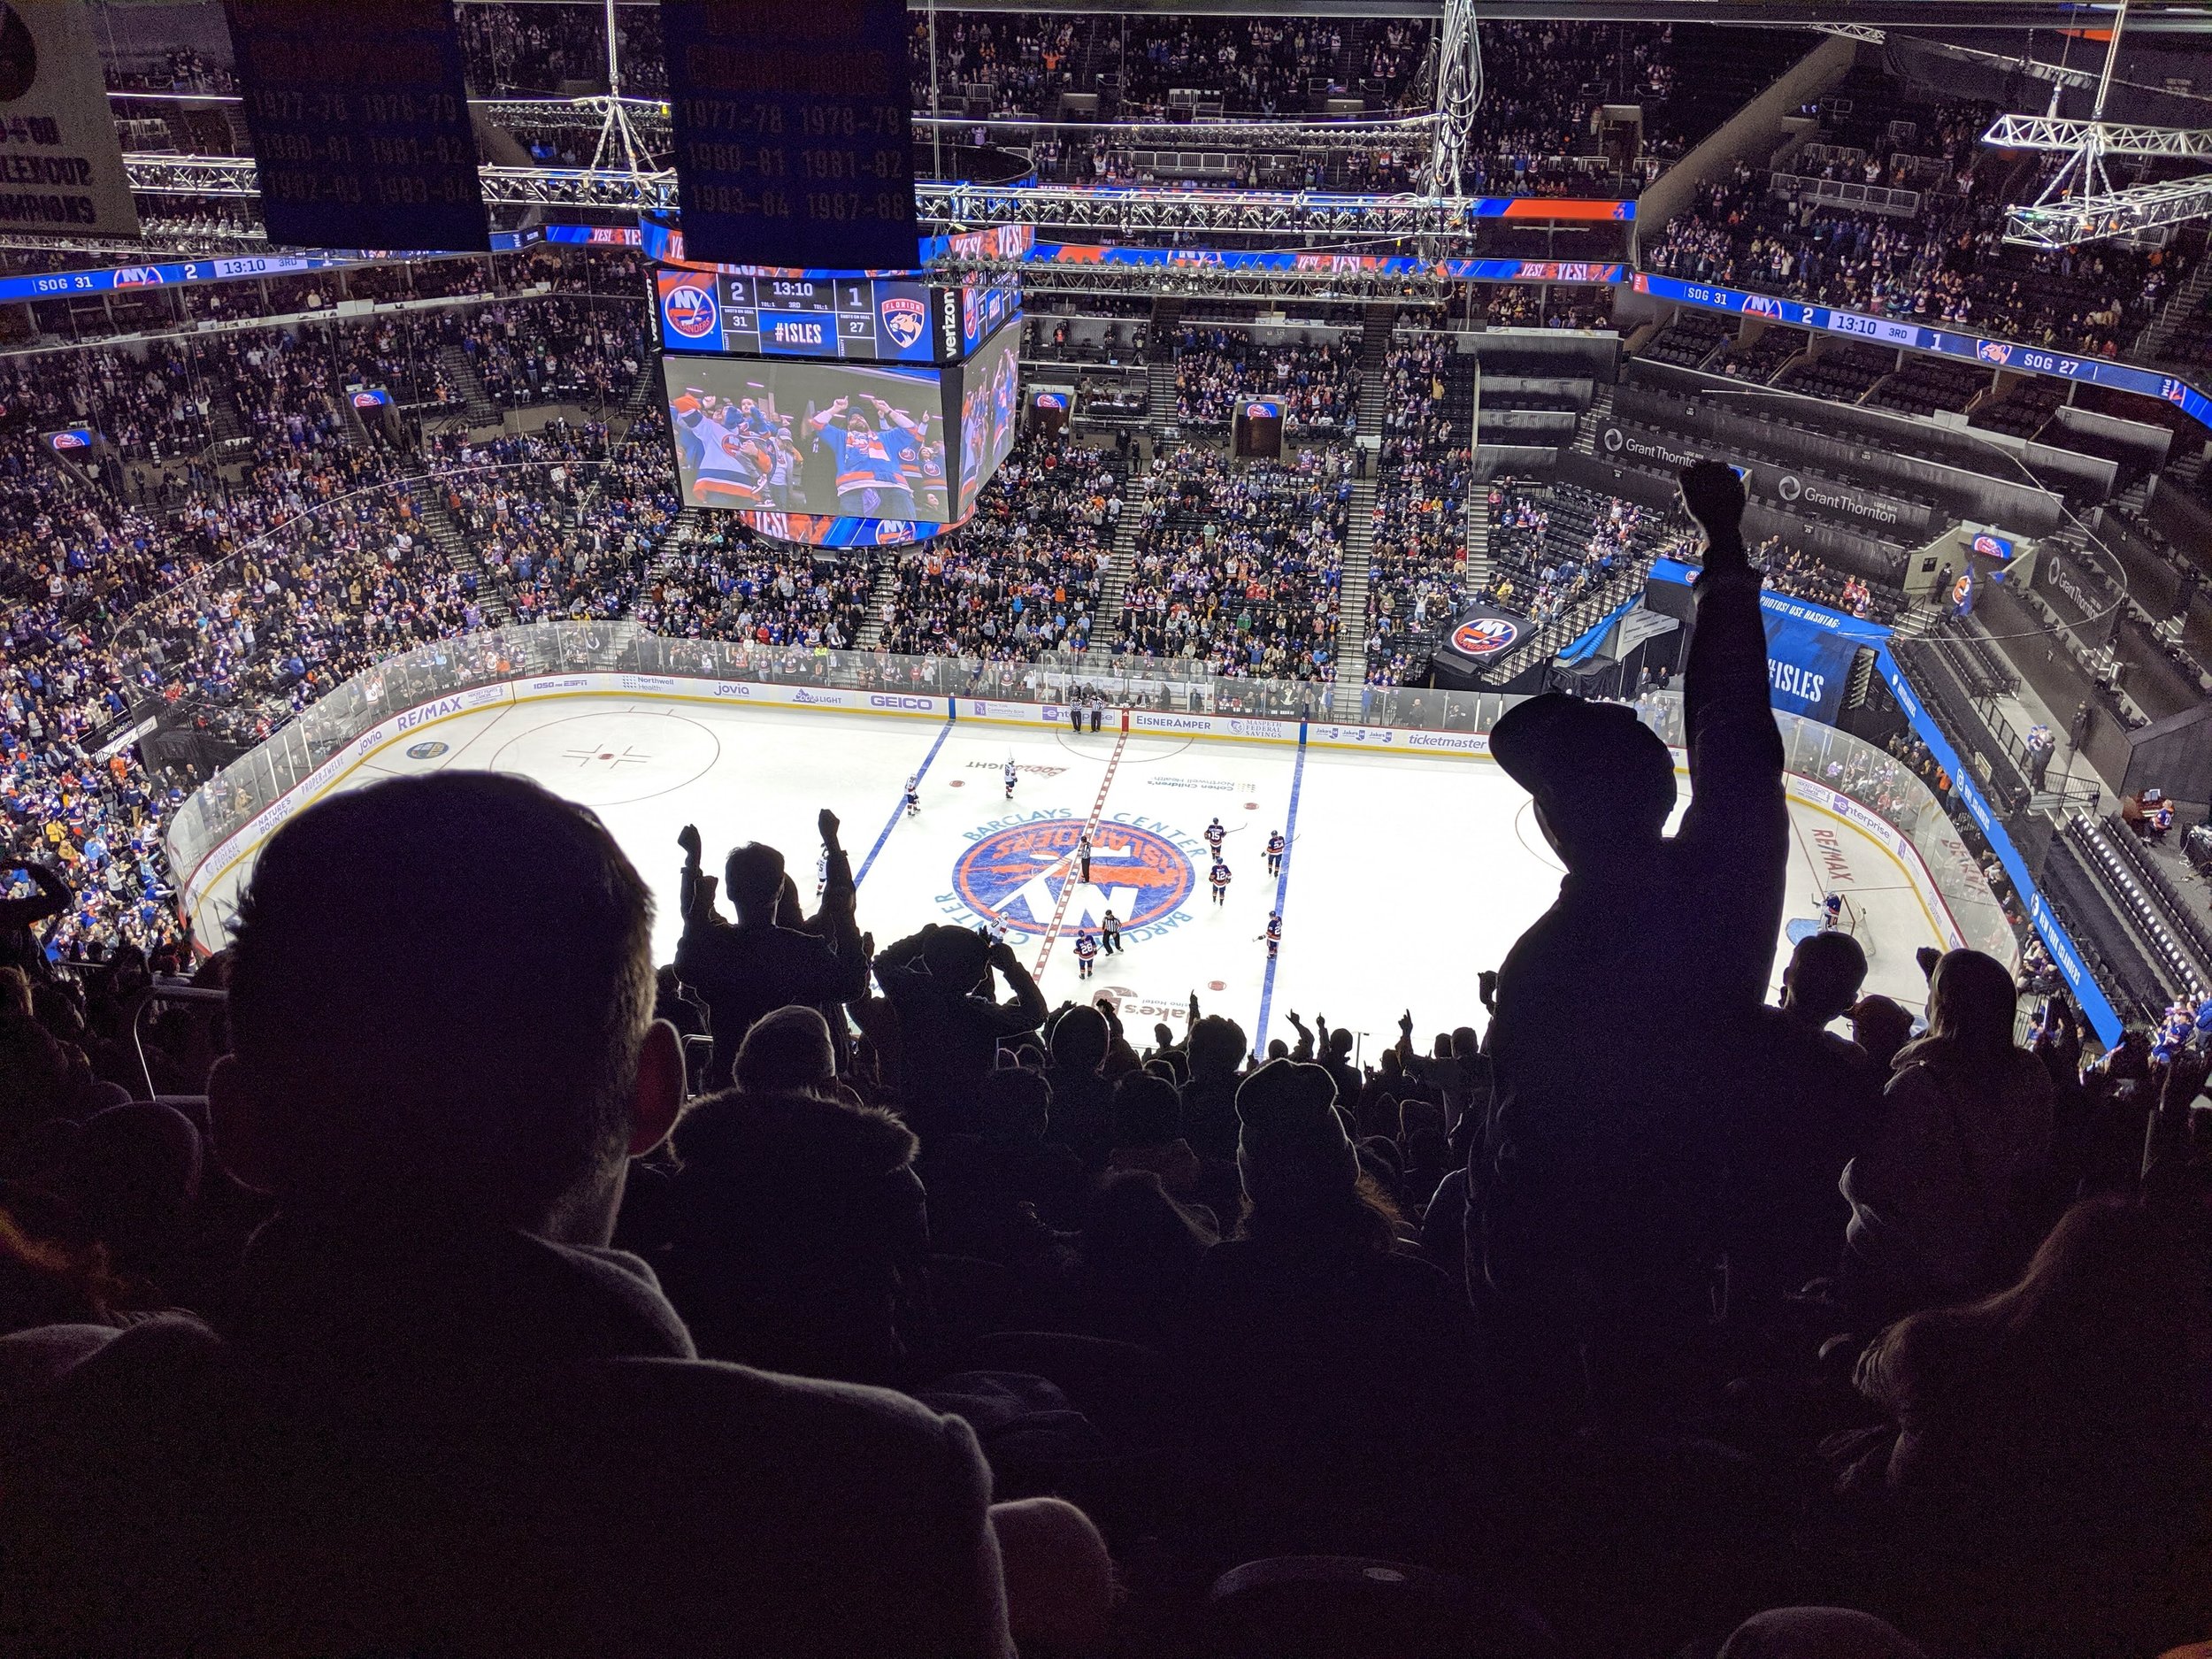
1407,873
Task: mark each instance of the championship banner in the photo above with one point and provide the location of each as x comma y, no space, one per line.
61,165
792,121
360,124
1481,634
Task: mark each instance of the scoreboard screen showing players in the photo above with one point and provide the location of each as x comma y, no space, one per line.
878,320
823,438
990,412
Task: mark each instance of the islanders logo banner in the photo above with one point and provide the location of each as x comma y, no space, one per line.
1019,876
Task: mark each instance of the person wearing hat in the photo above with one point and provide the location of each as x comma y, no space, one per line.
1621,1013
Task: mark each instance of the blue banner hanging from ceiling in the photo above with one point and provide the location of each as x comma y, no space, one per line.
792,121
360,125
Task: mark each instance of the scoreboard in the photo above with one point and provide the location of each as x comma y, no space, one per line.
873,320
796,314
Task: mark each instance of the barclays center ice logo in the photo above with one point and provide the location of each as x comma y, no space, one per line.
1019,875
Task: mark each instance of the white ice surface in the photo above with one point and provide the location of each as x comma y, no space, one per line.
1407,874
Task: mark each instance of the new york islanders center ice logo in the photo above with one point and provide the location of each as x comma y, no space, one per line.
1483,636
1018,874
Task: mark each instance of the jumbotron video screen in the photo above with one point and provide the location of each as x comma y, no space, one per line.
809,437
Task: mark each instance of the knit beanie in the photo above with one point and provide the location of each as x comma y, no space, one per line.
1291,1146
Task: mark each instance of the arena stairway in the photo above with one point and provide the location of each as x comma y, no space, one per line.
1106,618
643,389
476,402
2181,305
1476,574
438,523
1351,598
880,597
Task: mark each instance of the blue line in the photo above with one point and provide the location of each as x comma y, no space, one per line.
1282,888
899,811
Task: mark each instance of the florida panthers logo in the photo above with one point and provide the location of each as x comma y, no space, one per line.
689,309
1989,547
904,319
1018,875
1485,636
1995,351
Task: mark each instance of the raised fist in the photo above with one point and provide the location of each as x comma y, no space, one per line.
1713,495
688,838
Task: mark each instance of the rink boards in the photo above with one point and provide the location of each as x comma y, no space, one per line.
1409,871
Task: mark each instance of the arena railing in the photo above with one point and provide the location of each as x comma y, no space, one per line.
1871,789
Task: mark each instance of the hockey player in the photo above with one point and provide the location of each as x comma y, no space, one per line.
1274,934
1086,953
1110,935
1832,912
914,796
1213,837
1276,845
1010,776
1219,876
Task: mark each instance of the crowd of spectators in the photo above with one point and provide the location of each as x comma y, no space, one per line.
541,48
1022,63
1237,564
1804,575
1021,576
1552,544
725,584
553,350
1314,380
1947,264
1416,563
1638,1307
563,522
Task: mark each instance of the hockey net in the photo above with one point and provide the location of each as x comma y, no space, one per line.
1851,919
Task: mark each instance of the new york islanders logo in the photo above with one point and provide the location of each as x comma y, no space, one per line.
893,532
689,309
1018,875
904,319
1485,636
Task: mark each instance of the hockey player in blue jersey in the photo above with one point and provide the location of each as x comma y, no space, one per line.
1215,834
1274,934
1832,912
1086,953
1276,845
1219,876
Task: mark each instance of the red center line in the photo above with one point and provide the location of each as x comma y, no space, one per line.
1090,828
